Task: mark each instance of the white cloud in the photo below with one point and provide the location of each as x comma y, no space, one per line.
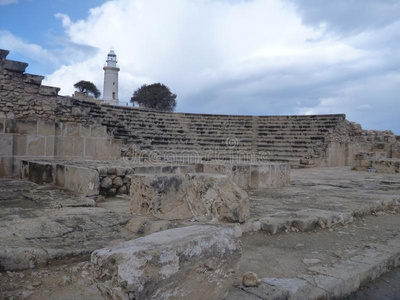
33,51
190,44
6,2
66,21
253,57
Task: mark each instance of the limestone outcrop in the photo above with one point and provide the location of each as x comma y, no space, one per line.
204,197
194,262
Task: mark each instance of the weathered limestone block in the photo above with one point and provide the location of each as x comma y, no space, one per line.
6,145
15,66
83,181
254,176
194,262
216,197
205,197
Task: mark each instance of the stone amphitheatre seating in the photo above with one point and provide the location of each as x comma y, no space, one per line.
292,139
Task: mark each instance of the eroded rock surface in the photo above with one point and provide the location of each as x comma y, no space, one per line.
39,224
194,262
204,197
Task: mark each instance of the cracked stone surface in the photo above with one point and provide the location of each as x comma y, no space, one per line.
290,256
344,259
39,224
321,197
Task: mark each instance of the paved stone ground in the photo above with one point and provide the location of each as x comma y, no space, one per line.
39,224
320,197
284,255
46,234
294,256
386,287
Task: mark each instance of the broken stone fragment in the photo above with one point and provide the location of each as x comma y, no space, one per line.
251,279
194,262
205,197
144,226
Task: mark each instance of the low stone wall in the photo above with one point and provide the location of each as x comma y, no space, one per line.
349,139
369,162
36,139
84,181
117,179
91,178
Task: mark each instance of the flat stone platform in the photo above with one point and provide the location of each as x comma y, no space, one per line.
321,197
40,224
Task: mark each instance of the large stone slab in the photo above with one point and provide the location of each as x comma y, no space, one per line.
205,197
253,176
195,262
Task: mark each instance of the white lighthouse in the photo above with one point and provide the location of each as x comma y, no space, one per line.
110,92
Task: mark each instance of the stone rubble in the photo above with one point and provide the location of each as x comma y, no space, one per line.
250,279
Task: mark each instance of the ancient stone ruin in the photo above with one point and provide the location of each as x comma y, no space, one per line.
141,204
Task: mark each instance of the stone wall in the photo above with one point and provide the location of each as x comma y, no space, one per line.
349,139
92,178
31,139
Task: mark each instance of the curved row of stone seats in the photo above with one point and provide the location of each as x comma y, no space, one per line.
284,138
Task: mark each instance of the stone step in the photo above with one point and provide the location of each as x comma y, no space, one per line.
4,53
296,126
15,66
34,79
297,130
291,137
48,90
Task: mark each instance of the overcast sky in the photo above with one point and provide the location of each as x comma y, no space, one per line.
260,57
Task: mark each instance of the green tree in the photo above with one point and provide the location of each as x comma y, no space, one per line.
155,96
87,87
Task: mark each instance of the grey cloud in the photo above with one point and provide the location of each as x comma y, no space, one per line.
368,94
348,16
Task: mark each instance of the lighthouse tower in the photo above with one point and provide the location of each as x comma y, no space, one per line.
110,93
